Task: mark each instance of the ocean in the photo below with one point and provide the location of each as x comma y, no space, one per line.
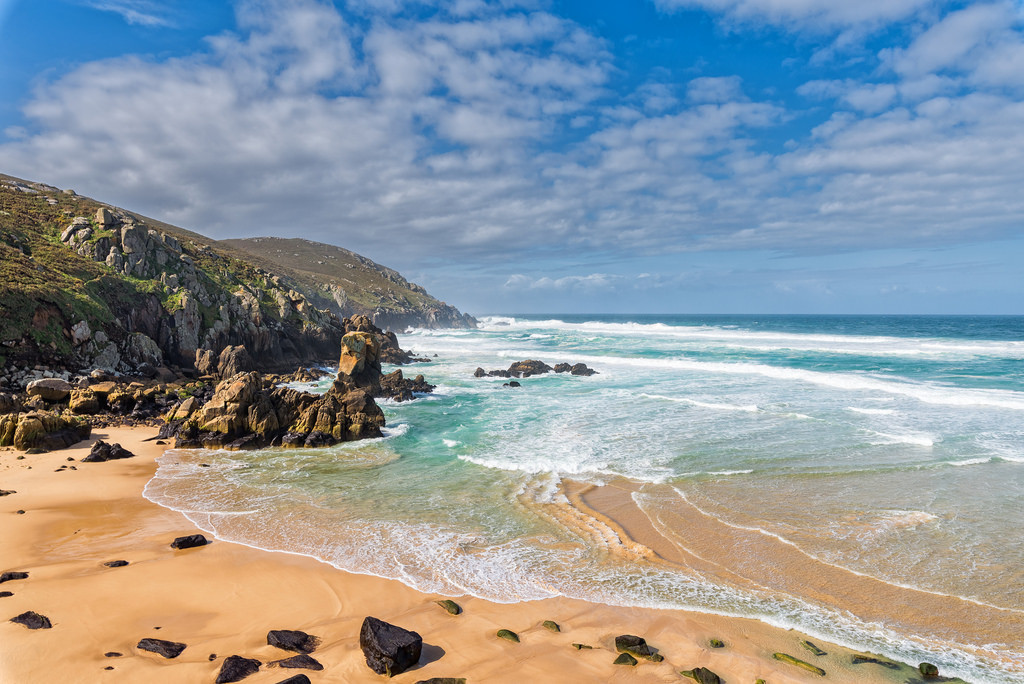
858,478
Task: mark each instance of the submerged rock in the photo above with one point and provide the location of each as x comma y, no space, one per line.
168,649
389,649
236,668
32,620
293,640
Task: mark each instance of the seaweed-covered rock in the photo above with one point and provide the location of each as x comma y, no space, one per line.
101,452
508,635
625,659
716,643
633,645
293,640
452,607
32,620
551,625
860,659
168,649
236,668
928,670
786,658
389,649
301,661
189,541
812,647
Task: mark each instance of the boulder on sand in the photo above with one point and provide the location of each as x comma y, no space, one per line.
389,649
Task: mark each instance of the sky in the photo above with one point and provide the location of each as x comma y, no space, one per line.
556,156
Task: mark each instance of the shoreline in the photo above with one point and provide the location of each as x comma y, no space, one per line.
223,598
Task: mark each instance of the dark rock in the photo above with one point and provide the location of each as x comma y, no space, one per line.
7,492
293,640
113,654
552,626
116,564
703,675
212,657
452,607
5,594
297,679
101,451
562,367
168,649
508,635
479,373
512,383
389,649
301,661
859,659
443,680
582,369
236,668
810,646
32,620
625,659
634,645
189,541
8,576
527,368
20,512
928,670
580,647
109,667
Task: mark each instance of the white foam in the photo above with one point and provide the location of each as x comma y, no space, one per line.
749,408
871,411
451,443
915,440
970,461
730,472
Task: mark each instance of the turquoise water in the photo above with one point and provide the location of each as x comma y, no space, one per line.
878,447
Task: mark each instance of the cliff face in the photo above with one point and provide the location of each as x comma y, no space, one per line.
84,285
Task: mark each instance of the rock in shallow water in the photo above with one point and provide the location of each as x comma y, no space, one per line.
32,620
293,640
236,668
389,649
168,649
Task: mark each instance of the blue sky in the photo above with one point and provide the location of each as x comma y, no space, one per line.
789,156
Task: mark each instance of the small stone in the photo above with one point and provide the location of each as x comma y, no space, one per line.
452,607
32,620
8,576
625,659
113,654
109,667
20,511
301,661
292,640
116,563
190,541
213,656
168,649
551,625
5,594
928,670
7,492
580,647
810,646
716,643
508,635
236,668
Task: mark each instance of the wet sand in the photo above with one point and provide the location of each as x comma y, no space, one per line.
223,598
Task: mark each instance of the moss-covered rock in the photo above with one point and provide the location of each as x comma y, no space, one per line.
580,647
702,675
810,646
452,607
625,659
716,643
508,635
552,626
786,658
928,670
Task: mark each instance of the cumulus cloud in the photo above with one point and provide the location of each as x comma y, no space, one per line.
475,132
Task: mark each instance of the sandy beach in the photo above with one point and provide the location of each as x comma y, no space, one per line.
223,598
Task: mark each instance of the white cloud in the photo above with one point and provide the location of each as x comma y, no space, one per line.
815,15
141,12
594,282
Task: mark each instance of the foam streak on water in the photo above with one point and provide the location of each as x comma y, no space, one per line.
866,449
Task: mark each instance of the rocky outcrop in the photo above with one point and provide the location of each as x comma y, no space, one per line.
389,649
101,452
167,649
49,389
236,668
42,430
293,640
32,620
525,369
